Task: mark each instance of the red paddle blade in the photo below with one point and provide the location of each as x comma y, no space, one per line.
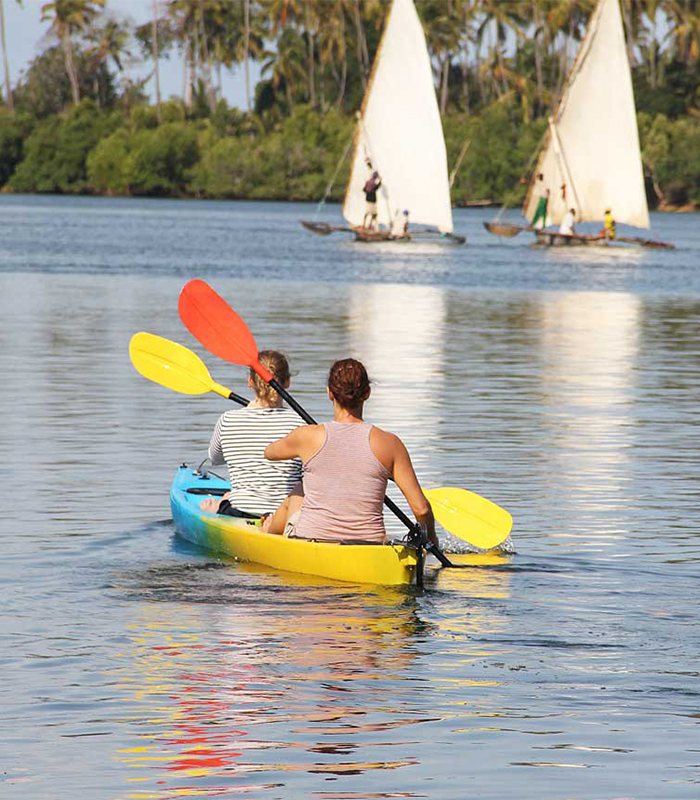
212,321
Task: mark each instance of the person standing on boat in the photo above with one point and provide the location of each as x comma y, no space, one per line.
608,231
239,440
542,193
347,463
370,189
567,224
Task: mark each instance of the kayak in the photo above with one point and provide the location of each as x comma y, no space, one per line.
243,539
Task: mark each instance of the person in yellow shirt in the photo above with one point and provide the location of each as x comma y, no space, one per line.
608,231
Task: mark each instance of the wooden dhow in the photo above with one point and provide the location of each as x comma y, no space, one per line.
590,159
399,135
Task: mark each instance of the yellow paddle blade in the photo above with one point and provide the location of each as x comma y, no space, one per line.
169,364
470,517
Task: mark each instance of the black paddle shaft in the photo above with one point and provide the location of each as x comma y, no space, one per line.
388,502
238,399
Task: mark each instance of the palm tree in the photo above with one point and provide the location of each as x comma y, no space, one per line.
154,32
109,44
444,39
8,86
498,17
685,30
287,64
246,47
361,43
67,17
648,41
332,47
9,100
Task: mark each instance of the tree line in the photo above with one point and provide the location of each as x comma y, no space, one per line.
76,121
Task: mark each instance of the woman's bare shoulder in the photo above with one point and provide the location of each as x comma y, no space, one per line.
385,437
386,446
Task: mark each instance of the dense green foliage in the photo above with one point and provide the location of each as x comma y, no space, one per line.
75,124
56,151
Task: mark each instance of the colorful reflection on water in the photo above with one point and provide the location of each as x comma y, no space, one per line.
330,691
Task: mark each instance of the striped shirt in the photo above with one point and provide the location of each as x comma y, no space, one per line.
239,440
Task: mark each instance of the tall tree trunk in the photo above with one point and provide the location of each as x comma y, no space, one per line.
247,53
205,60
154,31
361,44
343,80
465,82
445,79
538,54
70,65
479,76
9,101
312,60
649,57
189,75
627,15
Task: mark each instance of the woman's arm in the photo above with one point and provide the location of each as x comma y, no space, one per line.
405,479
216,453
286,448
303,442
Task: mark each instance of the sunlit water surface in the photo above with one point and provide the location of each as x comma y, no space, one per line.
563,385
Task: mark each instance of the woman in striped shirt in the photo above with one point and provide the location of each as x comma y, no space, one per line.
239,440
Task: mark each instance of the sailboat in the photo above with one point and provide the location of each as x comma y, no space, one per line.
590,161
399,136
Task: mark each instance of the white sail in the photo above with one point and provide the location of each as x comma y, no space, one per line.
592,147
400,131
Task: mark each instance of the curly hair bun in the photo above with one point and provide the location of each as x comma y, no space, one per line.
348,382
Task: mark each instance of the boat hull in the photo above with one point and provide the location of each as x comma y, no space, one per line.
554,239
418,235
243,540
506,229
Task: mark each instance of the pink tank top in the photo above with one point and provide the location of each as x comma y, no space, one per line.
344,487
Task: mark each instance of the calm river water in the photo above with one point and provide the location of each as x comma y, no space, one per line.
565,386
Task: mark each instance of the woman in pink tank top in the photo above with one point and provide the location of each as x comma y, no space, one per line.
347,463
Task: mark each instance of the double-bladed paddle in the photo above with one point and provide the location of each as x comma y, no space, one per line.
221,330
176,367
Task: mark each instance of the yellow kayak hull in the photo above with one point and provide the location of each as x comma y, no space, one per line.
243,540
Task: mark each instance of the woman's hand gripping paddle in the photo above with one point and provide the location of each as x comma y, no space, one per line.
218,327
174,366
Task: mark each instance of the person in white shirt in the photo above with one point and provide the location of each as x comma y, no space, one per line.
567,224
239,440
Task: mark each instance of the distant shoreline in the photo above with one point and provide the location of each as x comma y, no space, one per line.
665,207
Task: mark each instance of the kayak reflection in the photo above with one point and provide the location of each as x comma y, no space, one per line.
282,675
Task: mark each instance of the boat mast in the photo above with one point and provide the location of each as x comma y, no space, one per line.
360,127
575,67
561,157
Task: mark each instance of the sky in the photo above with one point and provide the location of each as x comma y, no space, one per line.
26,38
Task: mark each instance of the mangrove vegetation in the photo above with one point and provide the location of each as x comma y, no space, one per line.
76,122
